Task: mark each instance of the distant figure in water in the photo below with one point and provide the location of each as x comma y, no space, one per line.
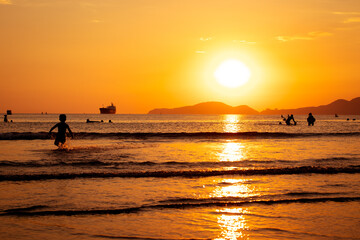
5,118
91,121
311,120
62,126
288,119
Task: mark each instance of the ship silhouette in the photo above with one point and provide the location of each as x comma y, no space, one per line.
108,110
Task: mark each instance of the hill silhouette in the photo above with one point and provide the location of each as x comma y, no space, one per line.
206,108
339,106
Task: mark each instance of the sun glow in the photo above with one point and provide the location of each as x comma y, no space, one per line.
232,73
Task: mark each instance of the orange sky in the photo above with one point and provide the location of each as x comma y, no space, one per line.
75,56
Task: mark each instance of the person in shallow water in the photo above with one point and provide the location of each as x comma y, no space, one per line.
62,126
311,120
288,119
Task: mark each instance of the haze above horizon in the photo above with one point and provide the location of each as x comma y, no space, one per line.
74,57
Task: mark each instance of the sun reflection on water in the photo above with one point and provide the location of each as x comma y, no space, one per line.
232,188
233,224
232,221
231,123
232,151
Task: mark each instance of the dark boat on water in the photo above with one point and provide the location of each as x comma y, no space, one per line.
108,110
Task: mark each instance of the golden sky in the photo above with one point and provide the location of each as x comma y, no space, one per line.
75,56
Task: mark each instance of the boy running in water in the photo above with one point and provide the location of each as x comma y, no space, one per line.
62,126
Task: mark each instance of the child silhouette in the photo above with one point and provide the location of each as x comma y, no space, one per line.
62,126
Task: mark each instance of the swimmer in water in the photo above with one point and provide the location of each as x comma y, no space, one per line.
62,126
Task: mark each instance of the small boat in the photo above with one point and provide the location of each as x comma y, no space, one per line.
8,112
108,110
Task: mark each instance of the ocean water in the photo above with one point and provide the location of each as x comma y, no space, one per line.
180,177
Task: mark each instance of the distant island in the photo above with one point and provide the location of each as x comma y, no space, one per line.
206,108
340,106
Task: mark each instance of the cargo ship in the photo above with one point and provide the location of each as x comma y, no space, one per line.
108,110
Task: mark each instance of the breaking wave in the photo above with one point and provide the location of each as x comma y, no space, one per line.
122,161
115,163
177,135
185,173
41,210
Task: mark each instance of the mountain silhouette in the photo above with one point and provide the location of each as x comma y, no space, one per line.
339,106
206,108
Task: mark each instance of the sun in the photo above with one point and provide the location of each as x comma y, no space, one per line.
232,73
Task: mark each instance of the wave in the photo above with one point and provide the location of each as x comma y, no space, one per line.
177,135
31,211
178,200
95,163
185,173
202,164
101,236
335,159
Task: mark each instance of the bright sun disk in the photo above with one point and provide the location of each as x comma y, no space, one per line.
232,73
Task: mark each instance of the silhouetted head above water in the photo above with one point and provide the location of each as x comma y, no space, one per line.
62,117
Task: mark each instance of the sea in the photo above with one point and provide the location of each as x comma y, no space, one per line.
180,177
